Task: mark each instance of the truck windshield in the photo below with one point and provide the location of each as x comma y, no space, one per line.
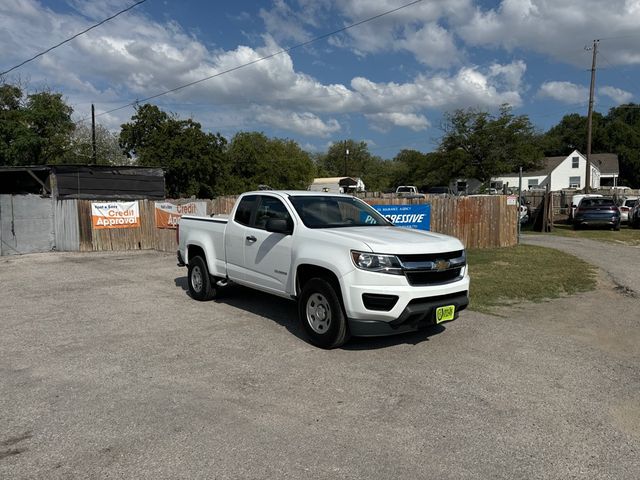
335,212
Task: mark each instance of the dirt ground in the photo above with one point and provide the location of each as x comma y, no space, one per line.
109,370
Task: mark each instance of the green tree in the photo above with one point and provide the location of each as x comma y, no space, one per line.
571,134
192,159
253,159
618,132
108,151
622,133
359,162
34,130
480,145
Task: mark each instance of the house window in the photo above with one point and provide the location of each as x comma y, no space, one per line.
574,182
532,182
575,162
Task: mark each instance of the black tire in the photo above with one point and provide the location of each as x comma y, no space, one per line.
201,285
321,314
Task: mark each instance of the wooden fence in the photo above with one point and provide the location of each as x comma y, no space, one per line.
479,222
484,221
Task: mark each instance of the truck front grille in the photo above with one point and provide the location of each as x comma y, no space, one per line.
420,279
433,268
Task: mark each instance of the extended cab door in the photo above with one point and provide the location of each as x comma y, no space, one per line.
268,255
235,236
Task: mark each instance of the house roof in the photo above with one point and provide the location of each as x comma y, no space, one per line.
607,163
549,165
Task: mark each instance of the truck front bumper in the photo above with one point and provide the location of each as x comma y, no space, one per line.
383,304
419,313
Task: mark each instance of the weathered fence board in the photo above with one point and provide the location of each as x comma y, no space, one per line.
478,221
26,224
67,227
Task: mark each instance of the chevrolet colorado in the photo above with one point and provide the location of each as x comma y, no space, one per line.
351,271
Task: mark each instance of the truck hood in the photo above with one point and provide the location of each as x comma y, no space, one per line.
396,240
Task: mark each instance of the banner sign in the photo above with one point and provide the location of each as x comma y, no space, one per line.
115,215
168,214
407,216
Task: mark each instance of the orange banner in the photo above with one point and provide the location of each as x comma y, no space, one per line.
168,214
115,215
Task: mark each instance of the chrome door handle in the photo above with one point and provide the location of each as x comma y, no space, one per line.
251,238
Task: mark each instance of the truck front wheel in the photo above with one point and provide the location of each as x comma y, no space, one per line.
321,314
201,286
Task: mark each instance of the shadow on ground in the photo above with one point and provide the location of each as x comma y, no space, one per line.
284,313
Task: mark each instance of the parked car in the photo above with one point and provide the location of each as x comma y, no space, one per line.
597,211
408,191
625,207
575,201
634,216
524,214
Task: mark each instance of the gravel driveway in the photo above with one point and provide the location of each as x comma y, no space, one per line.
620,262
109,370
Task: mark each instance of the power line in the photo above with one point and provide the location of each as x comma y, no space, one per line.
71,38
266,57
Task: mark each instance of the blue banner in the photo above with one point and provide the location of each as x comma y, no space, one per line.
407,216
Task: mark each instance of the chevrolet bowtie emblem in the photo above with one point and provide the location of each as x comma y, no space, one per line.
441,265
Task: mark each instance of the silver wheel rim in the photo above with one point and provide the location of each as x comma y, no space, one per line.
318,313
196,279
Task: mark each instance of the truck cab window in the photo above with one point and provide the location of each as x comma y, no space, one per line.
270,207
244,210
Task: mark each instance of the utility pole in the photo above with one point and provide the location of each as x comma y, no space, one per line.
346,158
587,186
94,157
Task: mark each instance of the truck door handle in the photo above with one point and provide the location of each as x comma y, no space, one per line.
251,238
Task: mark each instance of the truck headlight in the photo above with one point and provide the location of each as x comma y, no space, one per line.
375,262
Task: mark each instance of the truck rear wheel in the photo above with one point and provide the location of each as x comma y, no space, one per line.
201,286
321,314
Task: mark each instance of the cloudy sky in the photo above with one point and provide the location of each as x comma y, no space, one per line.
386,81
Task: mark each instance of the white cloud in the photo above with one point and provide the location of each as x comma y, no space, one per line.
565,92
417,29
136,57
470,86
303,123
559,29
383,121
616,94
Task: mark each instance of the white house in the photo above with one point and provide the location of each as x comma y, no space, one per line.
337,185
561,172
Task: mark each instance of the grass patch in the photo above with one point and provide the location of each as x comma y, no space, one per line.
503,276
626,235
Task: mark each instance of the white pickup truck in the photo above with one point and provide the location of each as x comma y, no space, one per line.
349,269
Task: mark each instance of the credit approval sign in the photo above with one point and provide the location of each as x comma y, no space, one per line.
407,216
115,215
168,214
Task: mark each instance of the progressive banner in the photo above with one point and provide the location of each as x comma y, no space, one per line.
168,214
115,215
407,216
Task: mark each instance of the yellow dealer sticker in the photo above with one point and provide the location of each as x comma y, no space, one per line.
444,314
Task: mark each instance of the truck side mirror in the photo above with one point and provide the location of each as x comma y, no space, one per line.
278,225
